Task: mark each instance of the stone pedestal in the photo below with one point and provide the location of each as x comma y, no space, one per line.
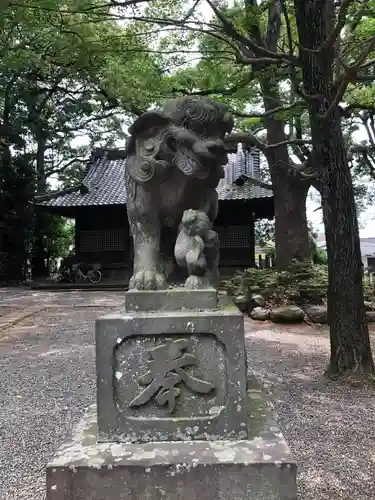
259,468
176,417
174,299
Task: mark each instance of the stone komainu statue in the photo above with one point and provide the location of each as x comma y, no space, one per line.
175,159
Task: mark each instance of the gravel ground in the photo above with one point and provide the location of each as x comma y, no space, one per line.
47,378
329,426
7,310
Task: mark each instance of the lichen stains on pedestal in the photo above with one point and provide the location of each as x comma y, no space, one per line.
83,450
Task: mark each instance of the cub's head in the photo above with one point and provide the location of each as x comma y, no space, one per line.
195,223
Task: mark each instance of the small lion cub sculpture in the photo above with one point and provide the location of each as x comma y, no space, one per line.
197,249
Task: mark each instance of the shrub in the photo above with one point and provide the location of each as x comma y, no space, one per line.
303,282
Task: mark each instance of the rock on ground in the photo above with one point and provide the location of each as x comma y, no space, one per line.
241,302
287,314
260,314
370,315
258,300
316,313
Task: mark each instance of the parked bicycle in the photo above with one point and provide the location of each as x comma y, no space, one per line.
77,274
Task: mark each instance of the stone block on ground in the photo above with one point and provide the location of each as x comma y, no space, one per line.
241,302
260,314
369,306
258,300
370,315
287,314
260,468
316,313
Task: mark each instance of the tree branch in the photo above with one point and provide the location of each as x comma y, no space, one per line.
288,142
258,50
271,112
222,91
274,25
252,141
112,3
191,11
231,141
341,19
58,168
351,73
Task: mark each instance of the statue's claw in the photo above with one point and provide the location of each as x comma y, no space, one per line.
194,282
147,279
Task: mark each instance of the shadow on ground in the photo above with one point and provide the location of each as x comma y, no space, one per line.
330,426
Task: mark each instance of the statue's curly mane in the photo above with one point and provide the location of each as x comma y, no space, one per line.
202,115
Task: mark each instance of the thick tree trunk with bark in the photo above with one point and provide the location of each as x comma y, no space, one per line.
39,267
290,192
350,345
12,241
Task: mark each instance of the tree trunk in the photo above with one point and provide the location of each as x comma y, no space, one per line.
291,228
12,228
350,344
38,262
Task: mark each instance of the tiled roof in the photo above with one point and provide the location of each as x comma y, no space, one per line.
104,183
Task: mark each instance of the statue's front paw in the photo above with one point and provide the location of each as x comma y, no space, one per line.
147,279
194,282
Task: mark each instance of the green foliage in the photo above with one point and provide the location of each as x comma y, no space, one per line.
264,232
302,283
319,256
63,75
16,183
59,238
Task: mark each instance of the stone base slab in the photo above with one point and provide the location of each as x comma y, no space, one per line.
258,469
173,299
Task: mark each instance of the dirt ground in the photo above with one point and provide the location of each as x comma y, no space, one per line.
47,378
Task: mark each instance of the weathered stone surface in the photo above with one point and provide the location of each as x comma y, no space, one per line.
175,159
258,300
173,299
370,315
287,314
241,302
166,376
197,250
261,468
316,313
260,314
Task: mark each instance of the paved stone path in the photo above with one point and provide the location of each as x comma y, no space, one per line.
47,378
